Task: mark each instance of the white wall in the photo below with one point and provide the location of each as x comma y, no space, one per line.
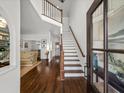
10,76
65,24
77,20
34,36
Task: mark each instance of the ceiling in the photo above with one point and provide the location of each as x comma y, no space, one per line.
67,7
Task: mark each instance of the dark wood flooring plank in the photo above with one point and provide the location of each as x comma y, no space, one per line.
45,79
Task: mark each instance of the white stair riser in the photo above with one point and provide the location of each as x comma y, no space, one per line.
67,35
72,58
68,45
66,38
73,74
73,48
66,41
72,68
71,62
70,51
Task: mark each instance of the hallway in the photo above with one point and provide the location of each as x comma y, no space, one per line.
45,79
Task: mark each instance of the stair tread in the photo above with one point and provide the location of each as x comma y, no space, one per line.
69,45
68,38
68,41
70,55
69,48
73,71
71,60
72,68
72,65
70,52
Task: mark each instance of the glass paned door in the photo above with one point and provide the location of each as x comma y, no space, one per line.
105,46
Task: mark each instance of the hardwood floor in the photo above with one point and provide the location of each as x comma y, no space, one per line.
45,79
26,69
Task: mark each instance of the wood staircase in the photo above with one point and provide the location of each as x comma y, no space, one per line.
72,64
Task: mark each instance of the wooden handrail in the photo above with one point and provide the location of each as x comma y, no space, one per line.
61,60
77,42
